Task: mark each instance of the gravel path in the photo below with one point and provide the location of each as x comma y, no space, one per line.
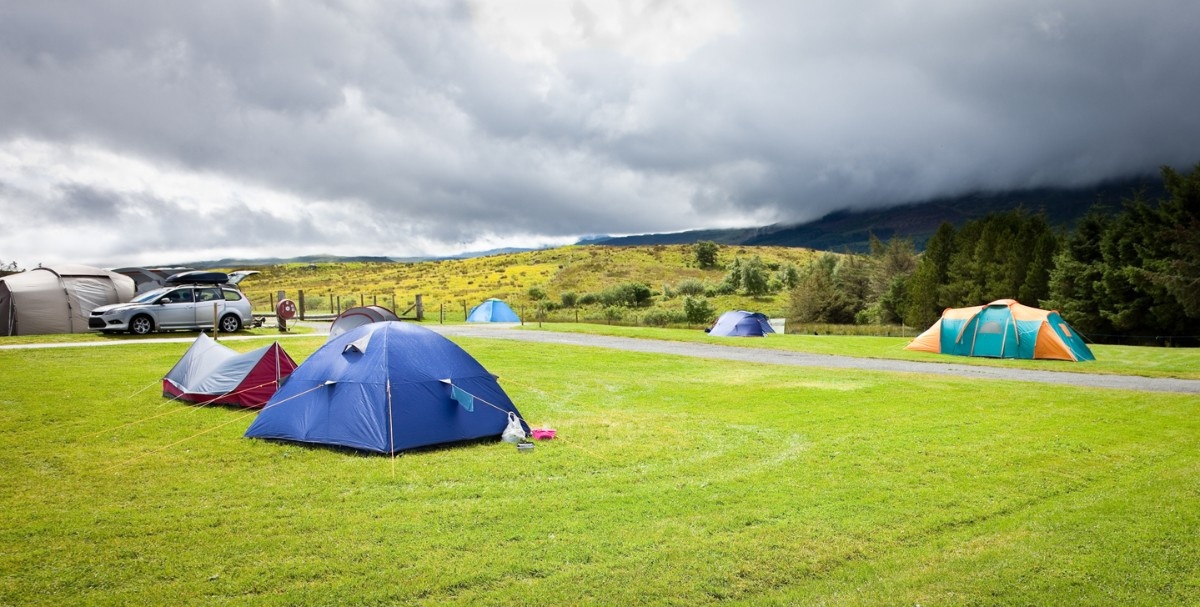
801,359
744,354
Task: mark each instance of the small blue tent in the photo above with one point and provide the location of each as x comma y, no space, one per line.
386,387
740,323
492,310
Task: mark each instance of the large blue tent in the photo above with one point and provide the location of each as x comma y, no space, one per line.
386,387
492,310
740,323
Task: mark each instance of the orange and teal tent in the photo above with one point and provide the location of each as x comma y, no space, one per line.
1003,329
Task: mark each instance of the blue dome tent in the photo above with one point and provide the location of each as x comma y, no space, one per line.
740,323
492,310
386,387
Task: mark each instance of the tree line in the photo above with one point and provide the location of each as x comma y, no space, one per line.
1127,276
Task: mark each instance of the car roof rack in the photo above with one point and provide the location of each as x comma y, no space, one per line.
199,277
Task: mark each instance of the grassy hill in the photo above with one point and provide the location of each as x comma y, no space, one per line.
456,284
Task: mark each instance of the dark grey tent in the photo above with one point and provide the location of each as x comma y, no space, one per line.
357,317
58,299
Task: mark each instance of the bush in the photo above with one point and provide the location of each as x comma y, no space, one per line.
588,299
629,294
690,286
569,299
662,318
537,293
698,311
612,313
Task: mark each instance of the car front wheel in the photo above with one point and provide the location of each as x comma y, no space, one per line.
230,324
141,325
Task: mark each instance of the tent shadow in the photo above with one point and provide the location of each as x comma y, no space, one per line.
366,453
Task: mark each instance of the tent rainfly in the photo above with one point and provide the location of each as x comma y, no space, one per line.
1003,329
492,310
740,323
358,316
209,372
58,299
386,387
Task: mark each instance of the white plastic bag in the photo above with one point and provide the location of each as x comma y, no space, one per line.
514,432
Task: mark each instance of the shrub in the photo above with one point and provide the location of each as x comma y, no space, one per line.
690,286
698,311
569,299
629,294
662,318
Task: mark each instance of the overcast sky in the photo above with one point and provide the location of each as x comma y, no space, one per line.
167,131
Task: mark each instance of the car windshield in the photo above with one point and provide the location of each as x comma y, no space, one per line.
150,296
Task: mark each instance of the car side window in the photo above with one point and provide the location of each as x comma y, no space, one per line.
204,295
178,296
232,295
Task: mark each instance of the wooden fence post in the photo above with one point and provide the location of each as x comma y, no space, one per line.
280,321
300,296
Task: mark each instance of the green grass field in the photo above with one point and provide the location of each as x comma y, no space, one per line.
675,481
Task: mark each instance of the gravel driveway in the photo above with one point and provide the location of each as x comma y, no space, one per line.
800,359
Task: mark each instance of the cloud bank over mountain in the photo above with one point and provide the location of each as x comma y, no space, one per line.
140,133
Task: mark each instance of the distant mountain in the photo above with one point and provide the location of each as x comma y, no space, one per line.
851,230
272,261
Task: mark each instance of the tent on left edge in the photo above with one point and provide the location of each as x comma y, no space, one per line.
58,299
210,372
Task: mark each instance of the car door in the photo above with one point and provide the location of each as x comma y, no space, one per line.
205,298
177,308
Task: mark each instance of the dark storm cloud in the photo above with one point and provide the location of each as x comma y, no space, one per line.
410,124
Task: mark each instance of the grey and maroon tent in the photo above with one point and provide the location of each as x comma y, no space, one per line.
211,373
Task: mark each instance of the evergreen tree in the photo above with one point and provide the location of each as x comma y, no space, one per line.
1137,273
818,297
1132,250
892,264
1075,287
1179,273
924,301
706,254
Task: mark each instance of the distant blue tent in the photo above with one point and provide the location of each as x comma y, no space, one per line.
492,310
386,387
740,323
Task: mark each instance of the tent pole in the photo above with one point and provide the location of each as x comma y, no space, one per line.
391,437
1004,336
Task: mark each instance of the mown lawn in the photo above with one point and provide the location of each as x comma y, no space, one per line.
675,481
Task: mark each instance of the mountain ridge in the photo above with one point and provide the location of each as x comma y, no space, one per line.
839,231
851,230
